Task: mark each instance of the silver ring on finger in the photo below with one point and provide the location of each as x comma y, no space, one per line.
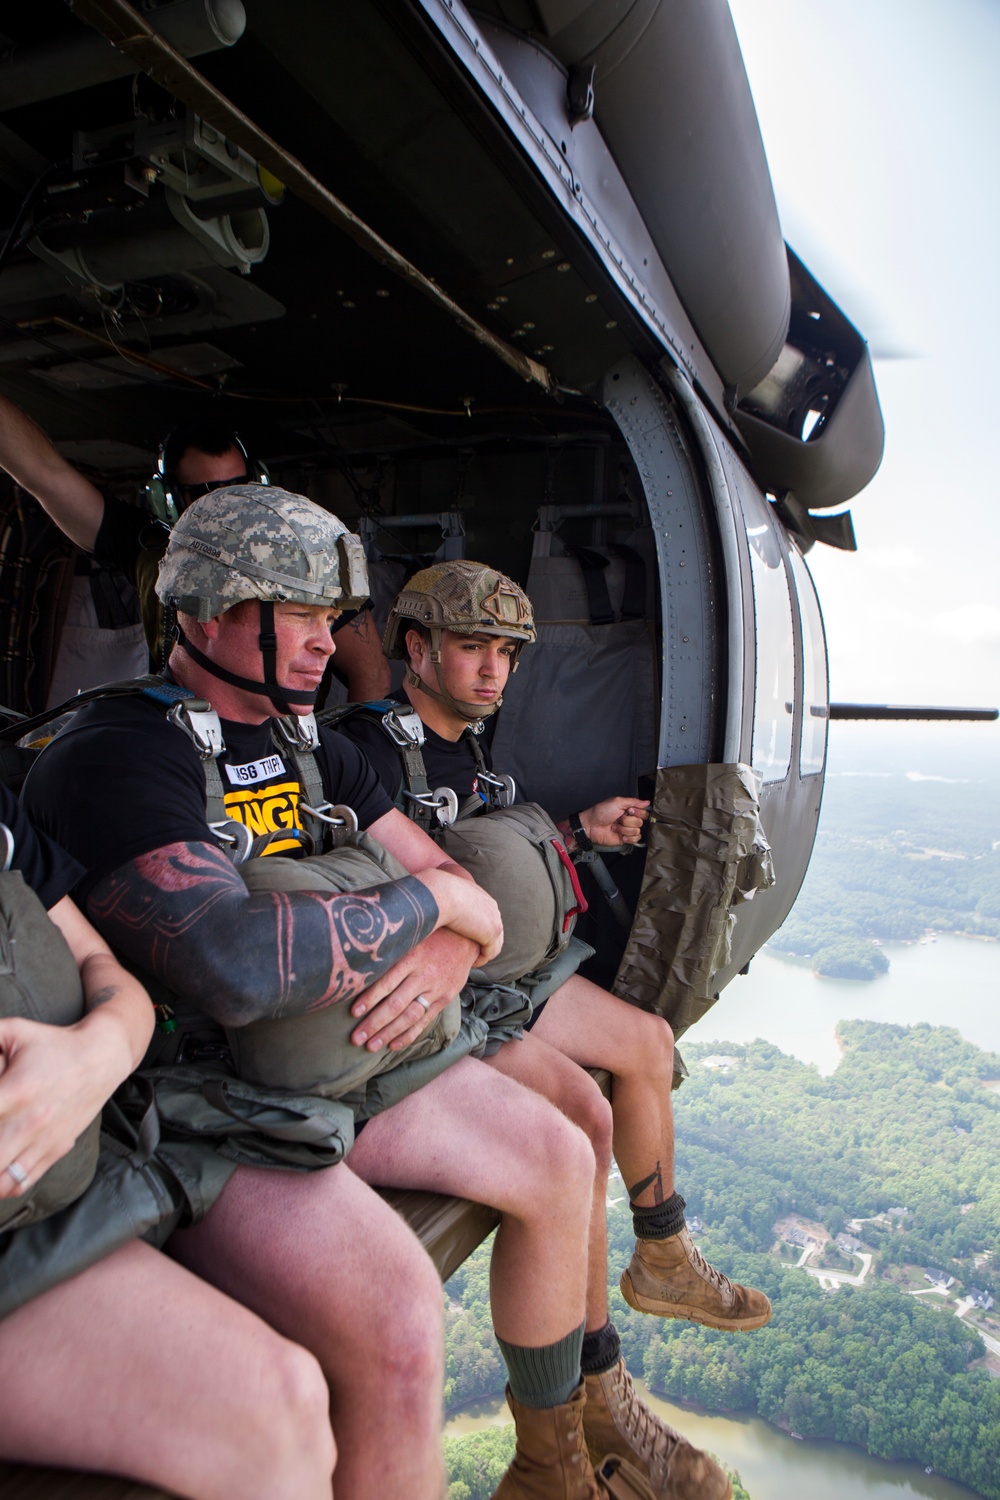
18,1173
423,1000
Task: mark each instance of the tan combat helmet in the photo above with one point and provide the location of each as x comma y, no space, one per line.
469,598
255,541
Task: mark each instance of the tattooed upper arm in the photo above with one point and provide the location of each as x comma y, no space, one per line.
184,914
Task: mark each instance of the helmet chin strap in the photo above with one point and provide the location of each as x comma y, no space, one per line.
267,640
470,712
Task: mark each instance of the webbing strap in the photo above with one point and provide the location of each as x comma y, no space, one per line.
310,781
215,803
606,884
634,590
593,564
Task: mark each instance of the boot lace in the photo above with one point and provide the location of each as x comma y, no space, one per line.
649,1437
715,1278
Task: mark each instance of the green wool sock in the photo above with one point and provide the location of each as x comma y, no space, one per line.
544,1377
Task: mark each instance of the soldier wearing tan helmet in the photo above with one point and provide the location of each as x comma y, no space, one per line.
464,598
460,627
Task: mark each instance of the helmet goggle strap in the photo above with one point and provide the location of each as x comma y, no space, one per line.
282,698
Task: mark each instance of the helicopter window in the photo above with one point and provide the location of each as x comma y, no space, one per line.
815,689
775,691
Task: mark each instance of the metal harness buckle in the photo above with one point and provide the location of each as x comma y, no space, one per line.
299,731
238,836
443,802
503,787
337,815
196,718
404,727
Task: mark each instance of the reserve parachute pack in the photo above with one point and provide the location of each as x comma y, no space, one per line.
39,981
111,1186
313,1053
513,850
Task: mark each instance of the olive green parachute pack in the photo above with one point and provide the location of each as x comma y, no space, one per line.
313,1053
39,981
110,1187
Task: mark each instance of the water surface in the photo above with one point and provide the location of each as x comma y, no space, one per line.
945,981
772,1465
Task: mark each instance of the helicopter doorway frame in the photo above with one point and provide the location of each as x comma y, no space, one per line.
697,570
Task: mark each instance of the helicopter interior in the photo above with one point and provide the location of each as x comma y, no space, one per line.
326,231
416,334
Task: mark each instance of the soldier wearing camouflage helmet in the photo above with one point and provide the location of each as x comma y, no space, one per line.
317,1251
466,598
252,541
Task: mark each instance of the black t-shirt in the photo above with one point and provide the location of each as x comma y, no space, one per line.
447,762
124,532
48,870
121,781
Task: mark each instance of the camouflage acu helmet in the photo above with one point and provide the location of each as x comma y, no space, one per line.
468,598
254,541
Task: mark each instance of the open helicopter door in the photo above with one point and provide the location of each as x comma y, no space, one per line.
634,700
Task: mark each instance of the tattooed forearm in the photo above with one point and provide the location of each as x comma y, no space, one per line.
184,914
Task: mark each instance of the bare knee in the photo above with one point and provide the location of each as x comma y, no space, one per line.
592,1112
296,1450
651,1050
565,1158
407,1340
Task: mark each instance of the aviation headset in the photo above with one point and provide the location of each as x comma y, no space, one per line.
163,497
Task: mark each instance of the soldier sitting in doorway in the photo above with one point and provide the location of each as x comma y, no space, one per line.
194,458
459,626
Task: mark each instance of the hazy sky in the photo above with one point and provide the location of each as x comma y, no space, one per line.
881,120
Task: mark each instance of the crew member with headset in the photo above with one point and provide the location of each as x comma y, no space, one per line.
194,458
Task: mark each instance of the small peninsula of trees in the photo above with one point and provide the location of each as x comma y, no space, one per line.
892,859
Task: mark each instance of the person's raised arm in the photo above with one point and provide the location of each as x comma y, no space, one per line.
54,1080
358,659
184,914
74,504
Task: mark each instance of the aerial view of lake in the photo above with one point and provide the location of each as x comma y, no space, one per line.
772,1465
945,981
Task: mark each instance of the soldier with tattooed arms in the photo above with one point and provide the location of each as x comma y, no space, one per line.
148,792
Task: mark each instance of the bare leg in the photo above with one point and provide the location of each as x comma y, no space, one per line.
668,1276
476,1134
598,1030
327,1263
541,1068
135,1367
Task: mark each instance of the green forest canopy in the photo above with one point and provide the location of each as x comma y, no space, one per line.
904,1121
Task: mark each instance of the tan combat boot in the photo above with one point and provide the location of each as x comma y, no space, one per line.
673,1280
550,1461
617,1422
